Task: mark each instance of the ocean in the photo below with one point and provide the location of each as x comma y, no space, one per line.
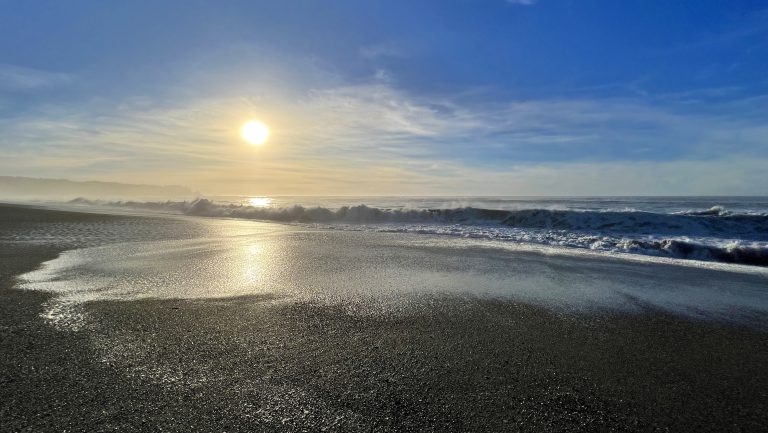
696,257
718,229
283,312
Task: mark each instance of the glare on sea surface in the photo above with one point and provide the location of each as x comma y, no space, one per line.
255,132
259,201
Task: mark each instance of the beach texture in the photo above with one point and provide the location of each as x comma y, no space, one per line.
265,362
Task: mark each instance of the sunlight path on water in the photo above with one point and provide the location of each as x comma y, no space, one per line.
384,273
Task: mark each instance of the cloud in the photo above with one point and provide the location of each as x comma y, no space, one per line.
522,2
379,118
376,138
18,78
377,51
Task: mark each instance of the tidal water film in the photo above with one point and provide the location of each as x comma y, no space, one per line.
499,315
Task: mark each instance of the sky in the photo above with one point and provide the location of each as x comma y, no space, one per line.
417,97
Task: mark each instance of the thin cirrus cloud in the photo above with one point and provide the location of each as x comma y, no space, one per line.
376,138
496,97
19,78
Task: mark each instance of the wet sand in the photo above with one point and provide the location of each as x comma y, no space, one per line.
257,363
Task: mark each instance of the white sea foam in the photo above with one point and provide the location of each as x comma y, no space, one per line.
389,273
714,233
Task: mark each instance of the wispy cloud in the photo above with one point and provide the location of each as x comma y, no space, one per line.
380,118
374,138
377,51
21,78
522,2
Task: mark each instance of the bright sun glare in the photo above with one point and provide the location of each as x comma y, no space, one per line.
259,201
255,132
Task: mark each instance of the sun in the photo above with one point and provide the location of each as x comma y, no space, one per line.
255,132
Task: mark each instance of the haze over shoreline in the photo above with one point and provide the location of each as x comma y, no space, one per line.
31,188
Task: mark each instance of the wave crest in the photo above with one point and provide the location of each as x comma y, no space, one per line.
716,221
713,234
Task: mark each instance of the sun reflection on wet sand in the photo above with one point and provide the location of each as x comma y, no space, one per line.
254,256
382,273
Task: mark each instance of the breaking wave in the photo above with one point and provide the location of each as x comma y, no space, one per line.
713,234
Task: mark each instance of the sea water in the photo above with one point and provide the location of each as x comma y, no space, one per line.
371,270
719,229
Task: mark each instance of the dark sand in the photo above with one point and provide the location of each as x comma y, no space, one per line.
253,364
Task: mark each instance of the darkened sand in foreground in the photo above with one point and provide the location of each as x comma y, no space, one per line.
277,361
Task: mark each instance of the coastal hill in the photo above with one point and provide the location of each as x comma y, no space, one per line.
28,188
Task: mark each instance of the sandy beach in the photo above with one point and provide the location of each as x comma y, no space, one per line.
383,216
273,361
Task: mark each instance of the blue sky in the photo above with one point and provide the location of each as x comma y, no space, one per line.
484,97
